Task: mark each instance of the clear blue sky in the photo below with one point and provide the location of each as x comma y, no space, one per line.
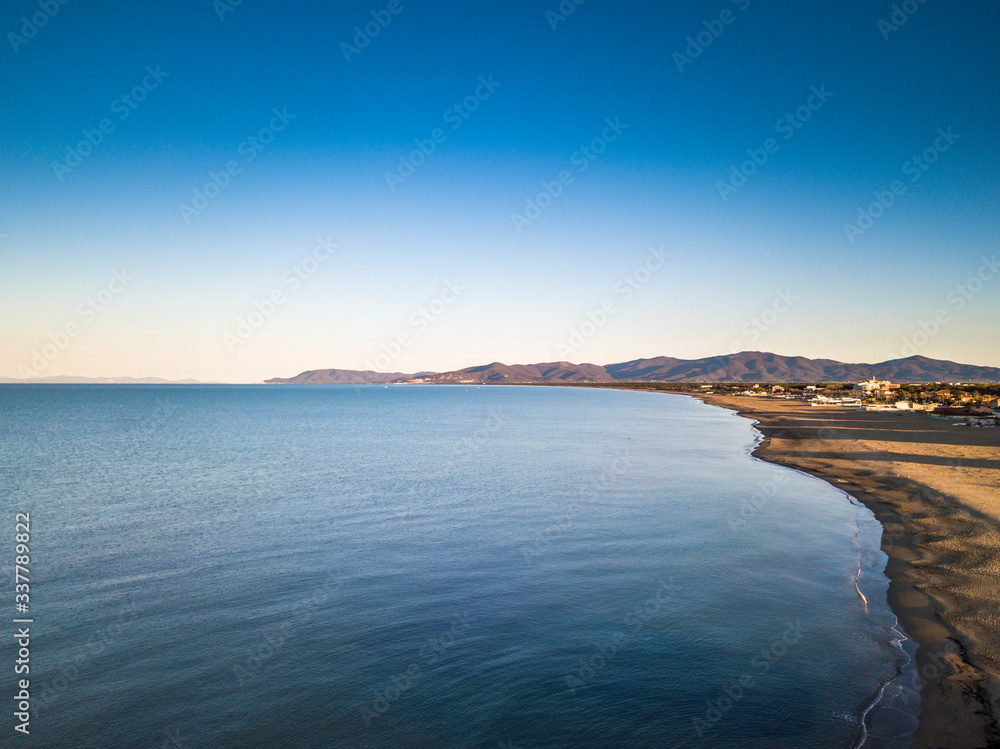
765,264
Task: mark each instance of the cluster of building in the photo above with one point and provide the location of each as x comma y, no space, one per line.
966,404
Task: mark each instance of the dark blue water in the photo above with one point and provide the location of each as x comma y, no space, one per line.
429,567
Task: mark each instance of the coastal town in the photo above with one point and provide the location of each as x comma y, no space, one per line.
965,403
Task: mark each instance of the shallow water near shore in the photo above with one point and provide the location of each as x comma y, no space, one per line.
230,566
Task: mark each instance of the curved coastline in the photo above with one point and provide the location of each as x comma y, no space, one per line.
905,669
951,671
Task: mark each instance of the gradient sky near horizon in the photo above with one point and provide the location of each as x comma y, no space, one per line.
769,266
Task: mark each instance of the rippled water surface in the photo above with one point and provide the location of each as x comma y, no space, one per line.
431,567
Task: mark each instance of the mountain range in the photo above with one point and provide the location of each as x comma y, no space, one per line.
747,366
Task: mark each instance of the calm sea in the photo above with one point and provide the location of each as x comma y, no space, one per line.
430,567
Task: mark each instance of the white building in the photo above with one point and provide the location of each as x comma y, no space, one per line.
874,386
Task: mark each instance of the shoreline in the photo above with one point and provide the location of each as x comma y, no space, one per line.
936,547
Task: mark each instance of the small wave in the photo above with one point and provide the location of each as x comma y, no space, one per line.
896,638
864,600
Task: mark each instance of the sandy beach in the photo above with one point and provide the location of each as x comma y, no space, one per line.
935,488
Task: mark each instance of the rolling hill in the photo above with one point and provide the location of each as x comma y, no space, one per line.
747,366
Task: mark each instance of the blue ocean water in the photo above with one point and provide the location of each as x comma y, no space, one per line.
417,566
